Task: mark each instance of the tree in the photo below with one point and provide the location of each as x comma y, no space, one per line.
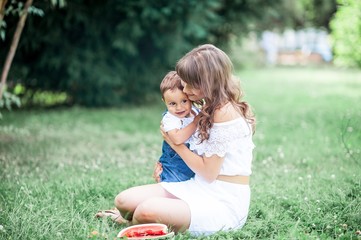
346,33
2,9
300,14
115,52
14,45
7,98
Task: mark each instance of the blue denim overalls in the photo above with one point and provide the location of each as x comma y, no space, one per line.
174,168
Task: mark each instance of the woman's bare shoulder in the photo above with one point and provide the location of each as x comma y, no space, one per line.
226,113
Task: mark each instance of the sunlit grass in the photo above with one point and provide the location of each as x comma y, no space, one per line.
306,182
58,167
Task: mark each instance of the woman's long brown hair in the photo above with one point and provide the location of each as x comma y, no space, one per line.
209,69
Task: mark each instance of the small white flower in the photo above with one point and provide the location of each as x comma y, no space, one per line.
333,176
318,201
309,176
300,178
306,198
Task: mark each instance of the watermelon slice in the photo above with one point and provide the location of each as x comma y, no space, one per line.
146,231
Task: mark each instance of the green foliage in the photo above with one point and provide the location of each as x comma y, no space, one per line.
2,29
8,100
58,168
300,14
44,99
346,33
15,8
116,52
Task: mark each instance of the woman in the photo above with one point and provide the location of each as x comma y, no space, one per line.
220,155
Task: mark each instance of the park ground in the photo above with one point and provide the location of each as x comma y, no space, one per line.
58,167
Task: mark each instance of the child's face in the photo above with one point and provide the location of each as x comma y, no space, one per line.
177,103
192,93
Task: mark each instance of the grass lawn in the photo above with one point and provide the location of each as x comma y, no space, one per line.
59,167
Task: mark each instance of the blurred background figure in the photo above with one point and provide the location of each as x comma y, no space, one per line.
304,46
269,44
323,46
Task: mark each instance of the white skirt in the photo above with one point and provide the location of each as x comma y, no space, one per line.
214,206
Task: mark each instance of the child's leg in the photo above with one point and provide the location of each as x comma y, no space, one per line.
152,203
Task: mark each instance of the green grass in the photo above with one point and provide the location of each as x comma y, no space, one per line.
58,167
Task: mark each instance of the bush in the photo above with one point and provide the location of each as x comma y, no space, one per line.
116,52
346,33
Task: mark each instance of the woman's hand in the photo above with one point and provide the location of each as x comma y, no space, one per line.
166,136
196,119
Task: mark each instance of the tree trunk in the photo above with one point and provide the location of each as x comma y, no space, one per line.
2,9
14,44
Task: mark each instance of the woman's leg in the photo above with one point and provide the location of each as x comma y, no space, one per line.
152,203
170,211
128,200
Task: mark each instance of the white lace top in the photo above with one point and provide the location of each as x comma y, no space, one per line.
231,140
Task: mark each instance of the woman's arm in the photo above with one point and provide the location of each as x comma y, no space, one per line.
207,167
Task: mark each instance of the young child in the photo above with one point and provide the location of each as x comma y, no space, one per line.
179,123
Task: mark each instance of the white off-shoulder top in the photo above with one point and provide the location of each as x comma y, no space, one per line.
231,140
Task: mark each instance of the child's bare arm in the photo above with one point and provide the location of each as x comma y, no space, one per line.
179,136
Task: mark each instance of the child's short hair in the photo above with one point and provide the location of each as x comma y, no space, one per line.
171,81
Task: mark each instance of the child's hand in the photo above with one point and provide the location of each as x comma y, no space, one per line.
158,169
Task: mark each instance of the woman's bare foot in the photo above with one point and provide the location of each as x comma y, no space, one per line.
114,214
